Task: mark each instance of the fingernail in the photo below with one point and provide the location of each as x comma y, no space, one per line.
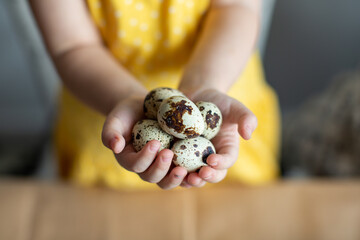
113,145
177,176
154,147
248,131
166,159
212,162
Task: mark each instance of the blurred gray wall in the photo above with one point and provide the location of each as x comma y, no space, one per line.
310,42
28,82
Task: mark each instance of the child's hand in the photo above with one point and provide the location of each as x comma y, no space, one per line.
149,165
237,120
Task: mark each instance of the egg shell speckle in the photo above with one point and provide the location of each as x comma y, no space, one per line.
192,154
212,118
147,130
154,99
180,117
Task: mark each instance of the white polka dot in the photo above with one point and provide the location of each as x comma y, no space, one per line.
121,34
128,2
190,4
139,6
137,41
158,35
177,30
154,14
148,47
144,27
118,14
133,22
172,9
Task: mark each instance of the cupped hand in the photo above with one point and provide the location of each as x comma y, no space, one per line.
237,121
152,166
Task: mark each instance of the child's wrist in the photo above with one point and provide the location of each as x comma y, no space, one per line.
195,94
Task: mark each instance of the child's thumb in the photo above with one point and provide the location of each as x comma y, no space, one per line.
112,135
246,120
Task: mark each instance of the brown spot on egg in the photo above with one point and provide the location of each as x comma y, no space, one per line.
212,120
195,145
191,133
173,118
206,153
201,108
175,157
182,147
197,153
138,136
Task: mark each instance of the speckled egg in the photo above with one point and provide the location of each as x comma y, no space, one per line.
155,97
192,153
147,130
180,117
212,118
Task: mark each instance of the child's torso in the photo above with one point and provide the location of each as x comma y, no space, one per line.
151,38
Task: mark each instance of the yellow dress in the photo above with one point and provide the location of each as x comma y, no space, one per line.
153,39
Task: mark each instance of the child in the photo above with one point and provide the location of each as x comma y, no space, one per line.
110,53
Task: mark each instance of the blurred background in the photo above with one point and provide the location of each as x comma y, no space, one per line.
304,44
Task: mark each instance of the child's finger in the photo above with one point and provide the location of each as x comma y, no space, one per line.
227,146
225,157
112,135
211,175
194,180
241,115
159,168
173,179
184,184
138,162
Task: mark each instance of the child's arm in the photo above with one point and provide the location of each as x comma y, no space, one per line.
221,52
85,66
93,75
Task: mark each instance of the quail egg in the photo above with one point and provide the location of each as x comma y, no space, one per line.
180,117
155,97
192,154
212,118
147,130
